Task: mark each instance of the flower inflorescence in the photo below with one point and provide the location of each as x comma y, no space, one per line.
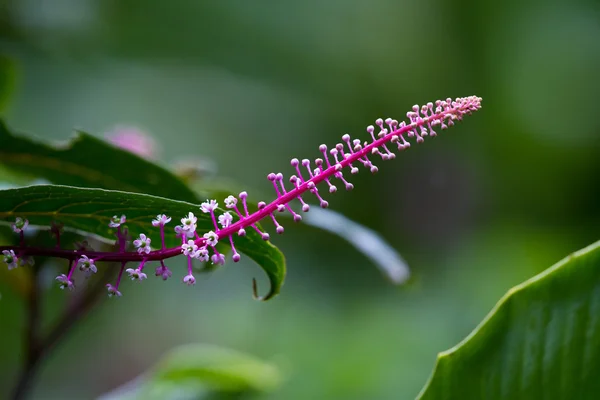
347,155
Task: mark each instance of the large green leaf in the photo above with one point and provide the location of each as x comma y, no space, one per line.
86,161
89,211
201,371
541,341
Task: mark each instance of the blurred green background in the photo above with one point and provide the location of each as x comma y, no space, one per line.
248,85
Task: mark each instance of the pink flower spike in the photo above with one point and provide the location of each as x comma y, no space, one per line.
422,120
10,259
142,244
116,222
19,225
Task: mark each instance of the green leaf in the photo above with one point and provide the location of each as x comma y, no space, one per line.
201,371
86,161
89,210
541,341
217,368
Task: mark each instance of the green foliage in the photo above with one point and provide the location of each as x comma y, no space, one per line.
86,161
89,211
542,340
7,73
201,372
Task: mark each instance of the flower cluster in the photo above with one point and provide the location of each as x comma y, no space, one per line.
348,155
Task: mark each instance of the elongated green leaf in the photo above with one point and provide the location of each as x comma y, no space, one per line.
541,341
86,161
199,371
89,211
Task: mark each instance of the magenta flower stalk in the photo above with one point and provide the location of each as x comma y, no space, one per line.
345,156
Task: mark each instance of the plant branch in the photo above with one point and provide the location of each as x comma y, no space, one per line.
451,112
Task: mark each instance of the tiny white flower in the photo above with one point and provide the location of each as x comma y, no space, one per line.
189,280
211,238
208,206
202,254
188,223
64,282
231,201
218,259
86,265
112,291
225,219
136,274
142,244
20,225
10,258
161,220
189,248
115,221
